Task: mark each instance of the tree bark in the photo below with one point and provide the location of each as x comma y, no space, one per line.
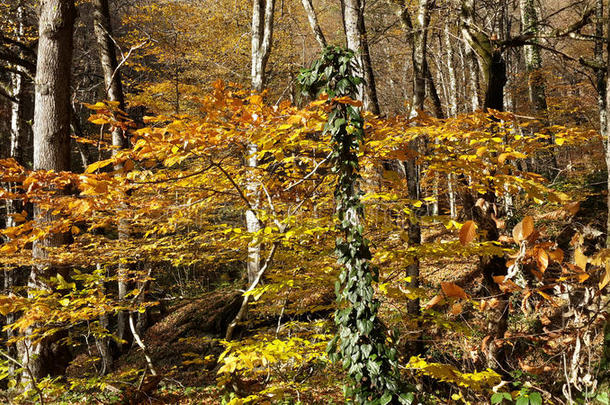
419,55
51,152
452,99
262,38
533,59
313,23
355,34
114,92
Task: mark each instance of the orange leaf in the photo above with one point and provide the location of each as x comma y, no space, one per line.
467,232
454,290
556,255
523,229
434,301
542,258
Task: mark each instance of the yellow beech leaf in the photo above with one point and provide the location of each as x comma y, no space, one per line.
98,165
468,232
481,150
580,259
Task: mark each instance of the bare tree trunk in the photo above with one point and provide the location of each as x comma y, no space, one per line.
453,100
114,91
419,55
355,33
51,152
533,59
600,73
313,23
18,135
262,39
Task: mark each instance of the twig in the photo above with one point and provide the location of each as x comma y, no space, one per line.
28,370
244,304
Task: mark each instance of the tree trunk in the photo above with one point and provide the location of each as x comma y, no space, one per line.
453,99
418,55
600,73
114,92
533,59
313,23
51,152
262,38
355,34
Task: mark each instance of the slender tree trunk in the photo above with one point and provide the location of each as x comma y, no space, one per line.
419,55
355,33
51,152
18,133
605,378
262,39
533,59
453,99
114,92
600,73
313,23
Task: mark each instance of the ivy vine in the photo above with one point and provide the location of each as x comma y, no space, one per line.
361,342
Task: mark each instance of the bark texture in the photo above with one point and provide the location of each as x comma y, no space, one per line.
355,34
313,23
262,39
51,152
114,92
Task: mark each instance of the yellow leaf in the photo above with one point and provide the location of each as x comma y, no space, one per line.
580,259
98,165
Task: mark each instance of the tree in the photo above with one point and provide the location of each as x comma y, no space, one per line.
51,152
113,87
355,34
362,348
262,39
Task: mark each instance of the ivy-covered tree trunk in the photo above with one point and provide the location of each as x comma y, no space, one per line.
361,340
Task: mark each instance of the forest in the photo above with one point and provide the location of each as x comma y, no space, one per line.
305,202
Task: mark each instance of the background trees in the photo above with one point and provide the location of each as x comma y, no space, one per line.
222,199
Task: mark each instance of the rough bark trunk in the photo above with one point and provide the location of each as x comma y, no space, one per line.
355,34
313,23
51,152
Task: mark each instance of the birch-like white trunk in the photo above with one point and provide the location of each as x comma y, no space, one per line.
313,22
452,85
262,39
356,37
